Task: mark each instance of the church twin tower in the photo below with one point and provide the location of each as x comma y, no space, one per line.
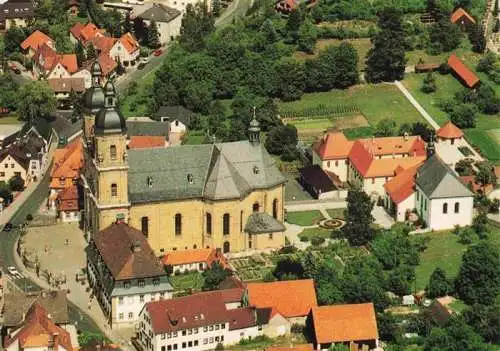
105,175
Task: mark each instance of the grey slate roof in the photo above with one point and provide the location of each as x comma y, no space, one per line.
212,171
17,304
160,13
261,222
177,112
147,128
437,180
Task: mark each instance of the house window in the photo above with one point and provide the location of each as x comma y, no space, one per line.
196,343
418,196
241,221
178,224
141,283
457,207
145,226
112,152
120,316
270,236
445,208
141,298
336,163
209,223
275,208
120,300
328,164
2,174
114,189
130,315
225,224
255,207
373,180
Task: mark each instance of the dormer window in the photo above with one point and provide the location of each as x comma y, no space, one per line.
256,170
190,178
149,181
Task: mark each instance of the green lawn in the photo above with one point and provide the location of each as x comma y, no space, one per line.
304,218
375,101
187,281
336,212
446,252
11,119
311,232
193,138
443,251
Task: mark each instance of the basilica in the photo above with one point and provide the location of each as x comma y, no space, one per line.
228,196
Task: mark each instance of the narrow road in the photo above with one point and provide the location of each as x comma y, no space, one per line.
415,104
8,241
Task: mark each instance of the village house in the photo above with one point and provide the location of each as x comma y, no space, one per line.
125,50
168,20
195,259
38,332
17,305
196,322
292,299
462,18
178,116
146,142
34,41
353,325
462,72
367,164
48,64
442,200
318,183
64,177
124,273
236,187
451,134
434,190
16,13
62,87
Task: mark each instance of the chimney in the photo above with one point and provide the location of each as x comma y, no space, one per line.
55,339
406,136
136,246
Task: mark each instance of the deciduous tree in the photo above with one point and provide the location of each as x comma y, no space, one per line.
439,285
359,219
36,100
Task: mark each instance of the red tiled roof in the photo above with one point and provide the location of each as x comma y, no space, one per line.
129,42
68,199
459,13
344,323
70,62
197,310
126,252
76,30
470,79
402,185
68,163
333,146
35,40
88,32
146,142
108,65
449,131
302,347
51,58
189,256
360,157
38,331
291,298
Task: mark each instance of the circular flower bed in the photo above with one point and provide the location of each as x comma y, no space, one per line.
333,223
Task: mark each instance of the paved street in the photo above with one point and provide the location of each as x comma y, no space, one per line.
8,241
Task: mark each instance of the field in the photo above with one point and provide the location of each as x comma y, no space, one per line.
446,252
336,213
374,102
304,218
488,141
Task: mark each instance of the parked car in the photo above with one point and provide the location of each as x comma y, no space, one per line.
144,60
14,272
158,52
8,227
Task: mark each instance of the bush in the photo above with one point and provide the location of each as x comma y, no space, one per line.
444,69
466,236
336,234
219,347
256,340
429,84
269,277
317,240
177,272
16,183
29,217
304,238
